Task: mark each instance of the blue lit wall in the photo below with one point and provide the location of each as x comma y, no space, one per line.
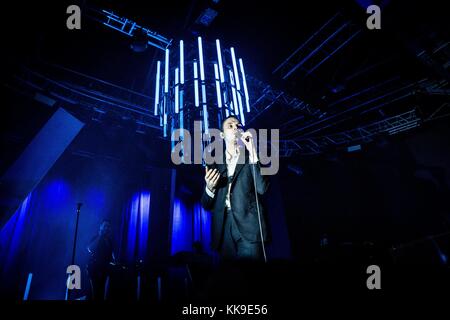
136,226
189,224
39,236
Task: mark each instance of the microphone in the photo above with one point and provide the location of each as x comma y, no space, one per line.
239,133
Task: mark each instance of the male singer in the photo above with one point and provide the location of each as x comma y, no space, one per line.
230,196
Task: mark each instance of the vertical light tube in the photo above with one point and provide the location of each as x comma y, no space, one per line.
244,83
233,90
27,288
203,94
182,133
181,62
197,103
200,59
219,60
236,75
165,125
205,119
177,90
166,91
172,126
166,73
202,79
138,288
219,96
236,80
181,115
158,286
158,79
182,90
241,110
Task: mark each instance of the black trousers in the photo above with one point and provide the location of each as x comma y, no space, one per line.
234,246
97,281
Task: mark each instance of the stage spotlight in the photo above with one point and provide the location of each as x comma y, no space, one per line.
206,17
44,99
140,41
354,148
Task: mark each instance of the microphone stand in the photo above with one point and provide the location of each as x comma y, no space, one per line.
263,246
259,212
74,246
76,232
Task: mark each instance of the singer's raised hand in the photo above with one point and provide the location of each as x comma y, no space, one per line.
247,139
212,178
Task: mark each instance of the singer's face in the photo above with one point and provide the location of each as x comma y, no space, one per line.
231,128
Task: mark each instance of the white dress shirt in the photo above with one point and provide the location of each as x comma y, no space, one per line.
231,167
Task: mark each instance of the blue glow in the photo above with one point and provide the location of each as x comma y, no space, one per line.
244,83
181,231
181,62
12,231
190,224
443,258
158,79
166,73
39,236
27,290
165,124
177,89
219,96
202,226
47,213
138,225
200,59
205,118
219,59
197,101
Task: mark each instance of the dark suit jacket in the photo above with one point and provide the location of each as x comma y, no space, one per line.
242,199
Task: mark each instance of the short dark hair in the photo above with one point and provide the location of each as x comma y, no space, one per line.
230,116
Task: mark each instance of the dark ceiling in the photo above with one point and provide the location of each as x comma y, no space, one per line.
362,73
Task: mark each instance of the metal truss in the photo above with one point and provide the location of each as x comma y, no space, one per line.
266,96
130,28
363,134
319,47
331,37
100,99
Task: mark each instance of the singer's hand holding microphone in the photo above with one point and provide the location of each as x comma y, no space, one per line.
247,138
